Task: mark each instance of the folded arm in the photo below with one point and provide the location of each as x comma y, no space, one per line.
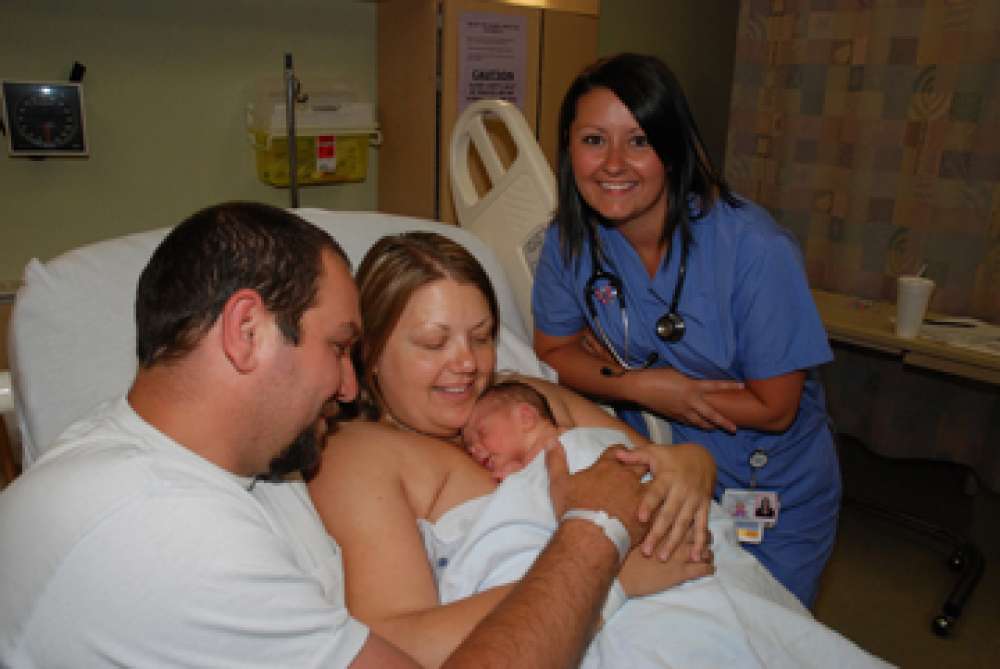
769,405
764,404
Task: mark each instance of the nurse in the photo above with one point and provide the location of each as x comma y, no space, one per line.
659,289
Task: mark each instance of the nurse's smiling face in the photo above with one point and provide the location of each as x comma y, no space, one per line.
616,170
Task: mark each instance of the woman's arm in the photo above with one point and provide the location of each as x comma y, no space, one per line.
641,575
769,405
763,404
369,509
683,475
571,578
579,361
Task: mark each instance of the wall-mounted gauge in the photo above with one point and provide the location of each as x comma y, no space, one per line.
44,119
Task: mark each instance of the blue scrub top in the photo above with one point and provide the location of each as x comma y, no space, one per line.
749,315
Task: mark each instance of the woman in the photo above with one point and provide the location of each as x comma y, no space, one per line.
430,324
429,348
655,279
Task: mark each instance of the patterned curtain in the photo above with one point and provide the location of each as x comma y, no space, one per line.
871,129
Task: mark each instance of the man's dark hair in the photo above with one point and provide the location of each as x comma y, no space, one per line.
213,254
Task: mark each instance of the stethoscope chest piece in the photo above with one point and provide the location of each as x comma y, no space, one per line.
670,327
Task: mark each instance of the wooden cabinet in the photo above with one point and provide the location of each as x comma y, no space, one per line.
419,57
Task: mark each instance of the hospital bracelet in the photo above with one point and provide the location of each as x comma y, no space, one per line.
613,528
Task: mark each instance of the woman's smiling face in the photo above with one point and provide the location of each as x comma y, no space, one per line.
616,170
438,358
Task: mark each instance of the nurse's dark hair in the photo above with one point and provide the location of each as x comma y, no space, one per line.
653,94
216,252
393,270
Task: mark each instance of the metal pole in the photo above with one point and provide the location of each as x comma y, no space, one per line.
291,95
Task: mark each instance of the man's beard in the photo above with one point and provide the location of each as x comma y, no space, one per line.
302,455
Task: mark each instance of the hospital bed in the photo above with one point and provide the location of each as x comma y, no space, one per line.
72,336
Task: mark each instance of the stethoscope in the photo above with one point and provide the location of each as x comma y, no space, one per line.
670,326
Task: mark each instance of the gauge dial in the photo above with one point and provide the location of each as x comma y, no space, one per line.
44,119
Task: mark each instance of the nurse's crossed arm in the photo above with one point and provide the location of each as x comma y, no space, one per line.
580,360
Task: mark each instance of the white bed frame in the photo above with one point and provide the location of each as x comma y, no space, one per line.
72,333
72,336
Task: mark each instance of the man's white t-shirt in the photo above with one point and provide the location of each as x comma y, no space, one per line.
122,548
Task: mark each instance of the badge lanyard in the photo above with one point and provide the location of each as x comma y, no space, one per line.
757,460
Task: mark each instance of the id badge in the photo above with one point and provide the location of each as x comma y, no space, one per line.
753,510
749,531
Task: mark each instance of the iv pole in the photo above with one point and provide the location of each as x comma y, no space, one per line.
293,94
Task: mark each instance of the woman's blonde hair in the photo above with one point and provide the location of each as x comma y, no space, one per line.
390,273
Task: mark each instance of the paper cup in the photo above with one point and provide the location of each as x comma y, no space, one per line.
912,296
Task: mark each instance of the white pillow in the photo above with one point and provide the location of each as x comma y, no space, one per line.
72,343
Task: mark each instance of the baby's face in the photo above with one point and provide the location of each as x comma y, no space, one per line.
493,438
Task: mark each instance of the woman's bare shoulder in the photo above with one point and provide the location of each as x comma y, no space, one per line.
375,437
362,458
350,432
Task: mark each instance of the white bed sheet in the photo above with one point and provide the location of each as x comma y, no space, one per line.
739,617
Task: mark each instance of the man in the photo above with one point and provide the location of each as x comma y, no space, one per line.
148,537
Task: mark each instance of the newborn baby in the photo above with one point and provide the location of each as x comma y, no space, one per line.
512,423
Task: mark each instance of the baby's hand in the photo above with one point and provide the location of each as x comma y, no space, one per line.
506,470
515,465
552,443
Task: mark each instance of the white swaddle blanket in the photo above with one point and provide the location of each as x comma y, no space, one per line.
740,617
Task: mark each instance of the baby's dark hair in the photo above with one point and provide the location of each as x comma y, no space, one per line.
510,391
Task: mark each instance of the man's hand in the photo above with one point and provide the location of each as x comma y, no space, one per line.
607,485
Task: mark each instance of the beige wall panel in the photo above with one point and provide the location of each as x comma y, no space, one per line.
4,324
407,90
569,43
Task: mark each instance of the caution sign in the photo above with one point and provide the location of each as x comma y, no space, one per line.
492,53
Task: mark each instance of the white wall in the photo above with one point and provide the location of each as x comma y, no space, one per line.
165,89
